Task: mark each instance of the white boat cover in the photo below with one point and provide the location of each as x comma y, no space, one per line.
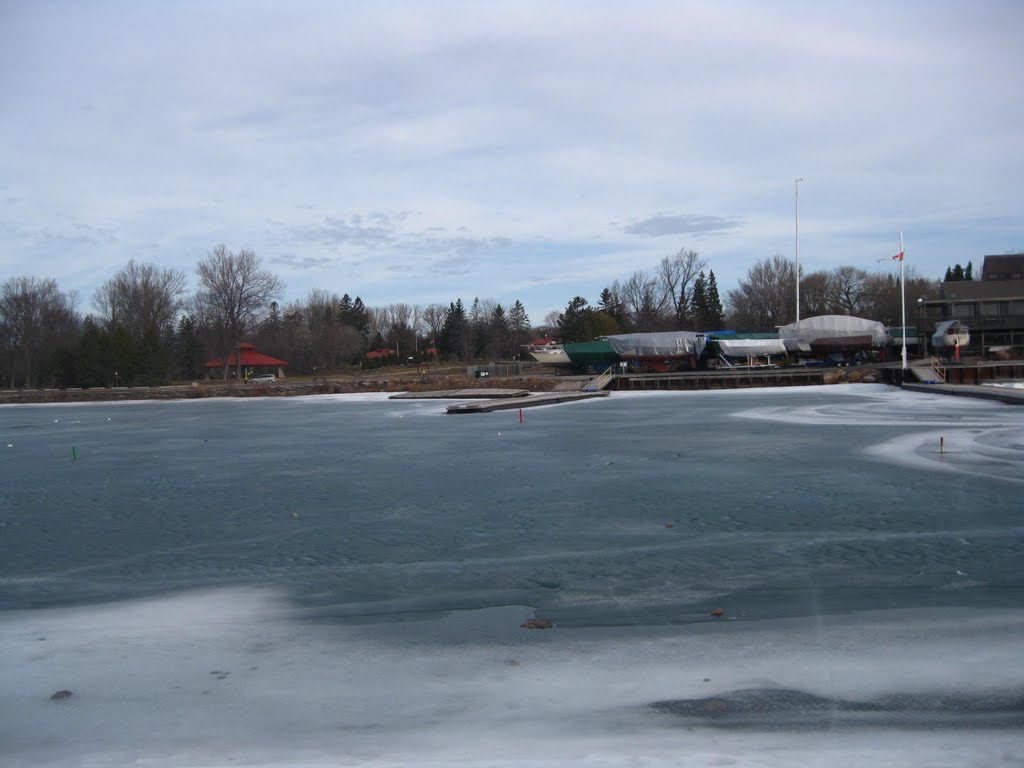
831,327
666,344
751,347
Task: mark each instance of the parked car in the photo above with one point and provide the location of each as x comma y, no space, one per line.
263,378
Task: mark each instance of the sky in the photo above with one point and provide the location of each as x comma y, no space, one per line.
420,152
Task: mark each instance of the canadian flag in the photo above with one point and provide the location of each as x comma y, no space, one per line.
898,256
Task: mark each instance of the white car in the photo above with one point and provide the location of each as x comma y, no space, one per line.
263,378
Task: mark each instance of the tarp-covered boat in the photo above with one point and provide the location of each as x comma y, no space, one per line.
585,354
825,328
661,352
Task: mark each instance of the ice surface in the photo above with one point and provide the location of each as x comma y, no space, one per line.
341,580
236,677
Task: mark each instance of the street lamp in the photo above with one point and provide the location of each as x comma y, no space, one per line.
796,239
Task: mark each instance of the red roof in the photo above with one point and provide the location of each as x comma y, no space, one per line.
250,359
377,354
542,342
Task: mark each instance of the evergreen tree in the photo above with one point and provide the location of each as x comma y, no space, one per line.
186,347
499,333
609,303
969,271
93,367
153,358
572,322
948,278
716,312
958,273
518,327
699,303
354,313
452,343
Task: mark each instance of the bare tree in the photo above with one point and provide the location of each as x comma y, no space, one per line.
883,302
850,290
645,299
236,292
816,294
676,275
331,341
766,297
35,318
393,322
434,316
141,297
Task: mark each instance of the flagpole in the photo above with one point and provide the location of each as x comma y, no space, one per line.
903,303
796,239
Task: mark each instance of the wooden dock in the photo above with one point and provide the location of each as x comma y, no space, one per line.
722,379
1003,394
509,403
462,394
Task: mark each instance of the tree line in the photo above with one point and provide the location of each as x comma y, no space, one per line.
145,328
682,294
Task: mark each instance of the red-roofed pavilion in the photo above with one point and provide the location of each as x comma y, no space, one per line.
253,362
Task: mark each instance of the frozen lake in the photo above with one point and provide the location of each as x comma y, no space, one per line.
341,580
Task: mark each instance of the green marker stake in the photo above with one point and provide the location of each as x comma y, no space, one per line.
74,454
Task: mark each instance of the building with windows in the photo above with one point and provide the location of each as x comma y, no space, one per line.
992,307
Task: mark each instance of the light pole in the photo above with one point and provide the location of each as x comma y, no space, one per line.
796,239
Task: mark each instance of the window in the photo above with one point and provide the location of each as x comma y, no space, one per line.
992,308
963,310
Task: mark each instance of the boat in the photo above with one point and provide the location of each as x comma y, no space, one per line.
548,351
551,354
951,333
661,352
592,354
756,352
832,333
827,345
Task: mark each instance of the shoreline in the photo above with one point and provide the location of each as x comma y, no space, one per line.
280,388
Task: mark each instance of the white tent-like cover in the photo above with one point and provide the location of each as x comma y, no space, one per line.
751,347
801,333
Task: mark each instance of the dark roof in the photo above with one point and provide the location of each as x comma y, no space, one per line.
1003,267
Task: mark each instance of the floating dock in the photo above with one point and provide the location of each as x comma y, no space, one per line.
462,394
722,379
489,400
508,403
1003,394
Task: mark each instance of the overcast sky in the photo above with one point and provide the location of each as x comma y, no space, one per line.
426,151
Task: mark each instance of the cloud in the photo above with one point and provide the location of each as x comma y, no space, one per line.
661,224
304,262
375,229
70,233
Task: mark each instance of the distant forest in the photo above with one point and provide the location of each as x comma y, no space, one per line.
145,328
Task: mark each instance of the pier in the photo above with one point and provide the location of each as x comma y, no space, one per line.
721,379
541,398
490,400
